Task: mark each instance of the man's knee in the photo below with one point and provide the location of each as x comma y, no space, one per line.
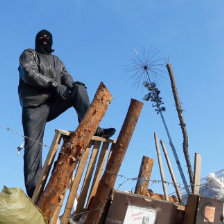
79,93
79,88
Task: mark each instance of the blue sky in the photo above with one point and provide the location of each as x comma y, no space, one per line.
95,40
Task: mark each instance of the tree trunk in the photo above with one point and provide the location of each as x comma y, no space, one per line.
118,152
182,123
144,175
71,151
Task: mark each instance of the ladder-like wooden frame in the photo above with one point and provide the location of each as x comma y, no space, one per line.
97,146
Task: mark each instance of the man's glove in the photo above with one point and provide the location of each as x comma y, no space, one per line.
63,92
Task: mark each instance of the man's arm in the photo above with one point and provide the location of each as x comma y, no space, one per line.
29,71
66,78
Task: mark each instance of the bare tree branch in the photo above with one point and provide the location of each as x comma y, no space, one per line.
182,123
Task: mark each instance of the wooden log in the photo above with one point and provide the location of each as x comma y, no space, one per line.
87,180
118,152
75,185
47,166
182,123
197,173
72,150
171,172
144,176
161,167
54,218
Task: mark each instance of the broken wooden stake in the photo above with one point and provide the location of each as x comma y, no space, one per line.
161,167
71,151
171,172
144,175
197,173
110,174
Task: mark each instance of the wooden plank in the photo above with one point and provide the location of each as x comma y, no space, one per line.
171,171
75,185
197,173
161,167
87,180
98,172
165,212
191,209
94,138
47,166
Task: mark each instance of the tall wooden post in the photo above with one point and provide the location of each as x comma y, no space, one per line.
144,175
161,167
71,151
171,171
110,174
197,173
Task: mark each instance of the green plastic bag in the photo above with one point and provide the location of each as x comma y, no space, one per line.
17,208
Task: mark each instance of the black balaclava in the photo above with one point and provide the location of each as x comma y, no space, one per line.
43,42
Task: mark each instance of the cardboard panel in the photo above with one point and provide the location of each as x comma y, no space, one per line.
127,208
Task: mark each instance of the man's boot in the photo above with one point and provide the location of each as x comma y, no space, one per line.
105,132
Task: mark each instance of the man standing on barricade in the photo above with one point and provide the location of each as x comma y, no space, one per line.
46,90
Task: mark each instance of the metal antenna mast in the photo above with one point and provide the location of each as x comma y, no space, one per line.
154,97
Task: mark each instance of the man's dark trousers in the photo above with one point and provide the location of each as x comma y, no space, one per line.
34,120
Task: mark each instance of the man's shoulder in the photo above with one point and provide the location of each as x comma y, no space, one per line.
56,58
29,51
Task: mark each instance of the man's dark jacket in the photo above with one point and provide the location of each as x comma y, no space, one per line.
38,73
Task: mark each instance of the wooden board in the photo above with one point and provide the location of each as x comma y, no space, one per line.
166,212
99,170
75,185
47,166
88,177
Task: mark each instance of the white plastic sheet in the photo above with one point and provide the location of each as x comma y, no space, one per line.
214,187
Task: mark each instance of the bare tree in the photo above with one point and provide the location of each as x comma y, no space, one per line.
182,123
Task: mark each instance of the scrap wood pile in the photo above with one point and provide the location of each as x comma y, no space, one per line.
98,183
73,156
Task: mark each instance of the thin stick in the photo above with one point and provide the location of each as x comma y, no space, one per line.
171,172
161,167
